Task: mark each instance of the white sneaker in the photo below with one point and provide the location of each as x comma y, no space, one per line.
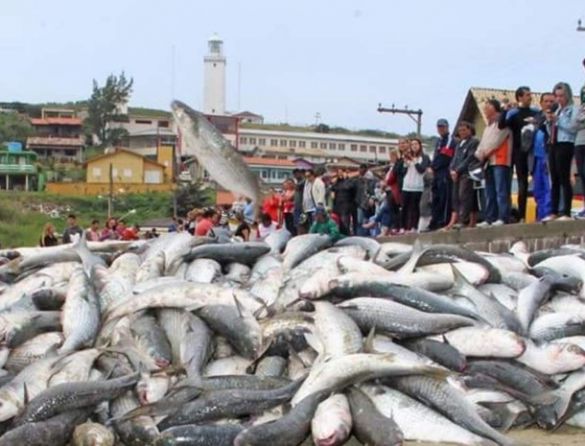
550,217
498,223
483,224
564,218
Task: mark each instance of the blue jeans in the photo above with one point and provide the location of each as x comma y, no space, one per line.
497,193
361,219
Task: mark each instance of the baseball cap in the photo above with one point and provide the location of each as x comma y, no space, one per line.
442,123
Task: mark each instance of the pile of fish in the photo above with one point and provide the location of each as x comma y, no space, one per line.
183,340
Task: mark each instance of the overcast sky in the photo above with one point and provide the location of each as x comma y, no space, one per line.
338,57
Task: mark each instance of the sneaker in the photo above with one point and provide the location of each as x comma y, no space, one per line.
564,218
551,217
498,223
580,215
483,224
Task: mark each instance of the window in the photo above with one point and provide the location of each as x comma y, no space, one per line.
243,140
373,149
332,146
382,149
353,147
283,143
341,146
114,172
152,177
274,142
252,140
323,145
262,142
128,173
143,121
302,144
264,174
163,124
293,143
314,145
70,153
282,175
281,157
363,148
96,172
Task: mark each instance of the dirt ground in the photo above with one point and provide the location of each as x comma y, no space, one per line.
566,436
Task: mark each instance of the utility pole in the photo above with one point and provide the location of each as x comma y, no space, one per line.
580,26
415,115
111,192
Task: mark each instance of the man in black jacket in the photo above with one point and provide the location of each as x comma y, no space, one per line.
344,204
441,185
463,195
516,118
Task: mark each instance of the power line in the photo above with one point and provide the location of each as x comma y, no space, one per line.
415,115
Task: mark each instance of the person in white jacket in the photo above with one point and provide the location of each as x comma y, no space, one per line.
313,195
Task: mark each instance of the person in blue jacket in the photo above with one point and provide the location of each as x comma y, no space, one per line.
540,171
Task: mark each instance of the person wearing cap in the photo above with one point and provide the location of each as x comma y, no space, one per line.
495,150
441,182
324,225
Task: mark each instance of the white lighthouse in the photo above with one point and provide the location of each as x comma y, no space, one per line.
214,78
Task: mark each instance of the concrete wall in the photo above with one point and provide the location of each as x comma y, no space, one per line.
500,239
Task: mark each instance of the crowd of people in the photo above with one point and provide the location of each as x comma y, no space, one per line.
114,229
466,182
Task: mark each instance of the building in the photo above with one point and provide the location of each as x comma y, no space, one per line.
58,135
127,168
18,169
247,117
271,171
472,110
318,148
214,78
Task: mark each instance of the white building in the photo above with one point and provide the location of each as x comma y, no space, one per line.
312,146
214,78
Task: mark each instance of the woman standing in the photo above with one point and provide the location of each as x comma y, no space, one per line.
415,165
562,126
48,237
109,232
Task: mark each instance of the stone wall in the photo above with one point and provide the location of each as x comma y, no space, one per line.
499,239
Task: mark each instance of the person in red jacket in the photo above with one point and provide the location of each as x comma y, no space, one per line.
271,205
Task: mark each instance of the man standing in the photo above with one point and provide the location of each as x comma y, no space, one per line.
580,147
365,184
496,148
540,172
73,231
313,195
441,184
516,119
299,178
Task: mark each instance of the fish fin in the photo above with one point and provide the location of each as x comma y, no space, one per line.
293,353
26,394
415,255
369,341
263,307
239,306
460,283
159,408
437,373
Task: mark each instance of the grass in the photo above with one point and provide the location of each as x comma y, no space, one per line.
21,221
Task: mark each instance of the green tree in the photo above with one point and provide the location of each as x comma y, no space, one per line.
103,109
191,196
14,127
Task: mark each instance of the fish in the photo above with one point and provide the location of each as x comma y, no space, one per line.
214,153
369,425
332,421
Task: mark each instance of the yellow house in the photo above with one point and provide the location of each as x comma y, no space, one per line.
127,168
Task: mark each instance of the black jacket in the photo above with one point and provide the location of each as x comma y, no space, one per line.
345,191
443,154
463,155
